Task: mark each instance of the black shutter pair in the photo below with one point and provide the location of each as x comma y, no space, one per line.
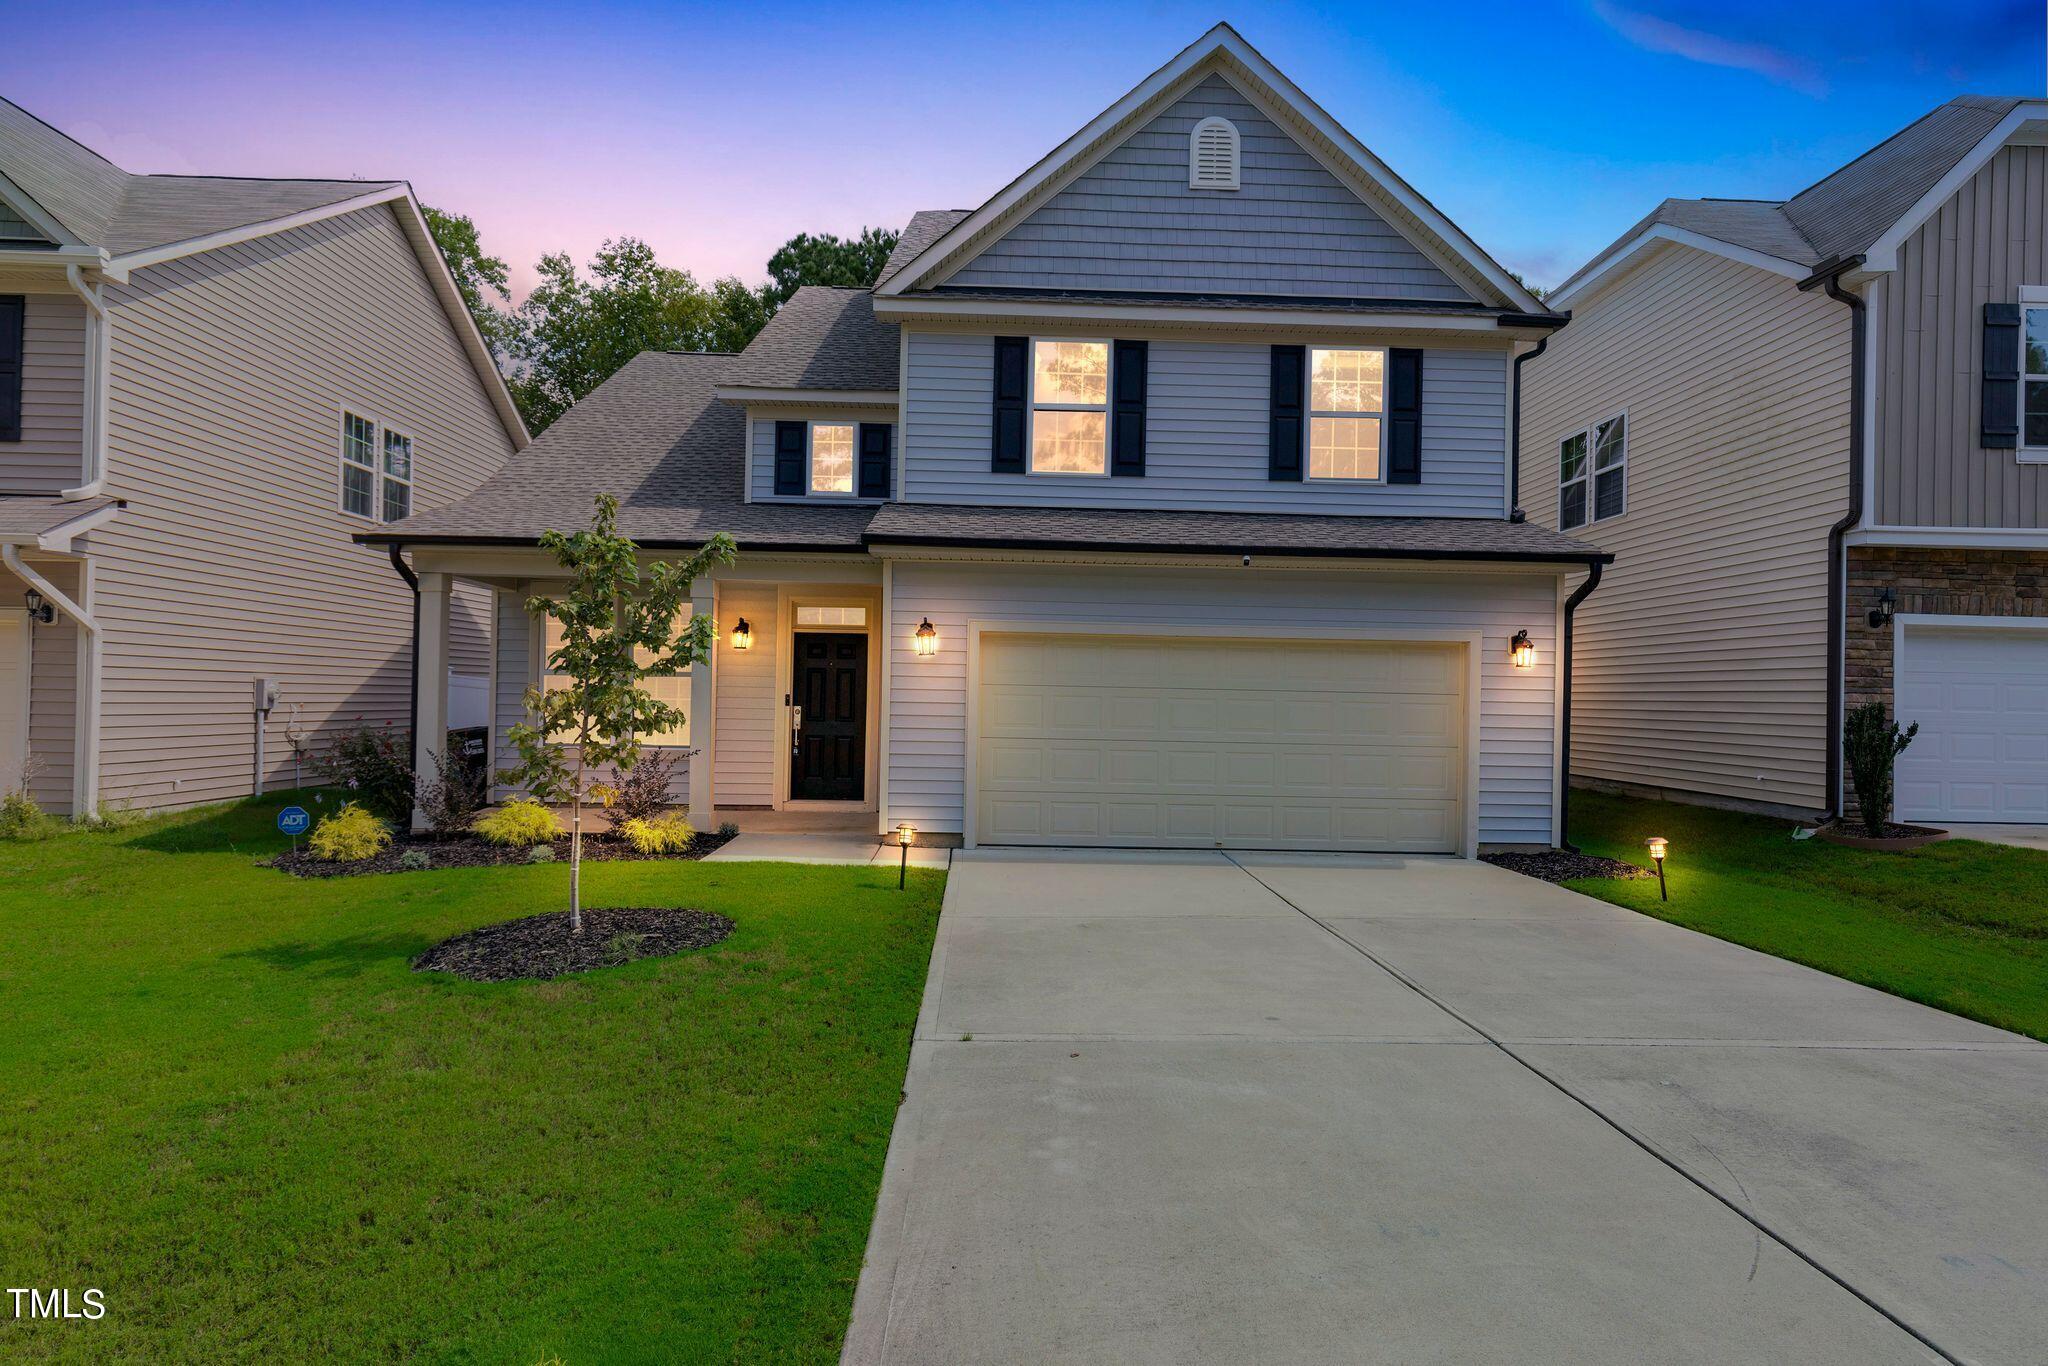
1998,415
871,466
1287,416
1129,379
13,314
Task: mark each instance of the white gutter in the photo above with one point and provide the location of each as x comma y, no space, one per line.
98,349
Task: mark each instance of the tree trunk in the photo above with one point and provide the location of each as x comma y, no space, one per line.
576,850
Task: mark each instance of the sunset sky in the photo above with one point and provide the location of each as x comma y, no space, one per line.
715,132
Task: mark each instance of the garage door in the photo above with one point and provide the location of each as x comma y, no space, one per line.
1981,698
1219,743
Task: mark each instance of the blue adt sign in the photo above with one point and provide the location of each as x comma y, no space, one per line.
293,820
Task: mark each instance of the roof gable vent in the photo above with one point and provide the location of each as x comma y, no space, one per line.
1212,155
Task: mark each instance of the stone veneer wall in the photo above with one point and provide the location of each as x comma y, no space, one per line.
1985,583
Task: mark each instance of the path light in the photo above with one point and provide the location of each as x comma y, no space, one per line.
38,610
926,641
1659,846
743,636
906,835
1522,651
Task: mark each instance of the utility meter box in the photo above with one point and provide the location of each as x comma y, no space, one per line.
265,691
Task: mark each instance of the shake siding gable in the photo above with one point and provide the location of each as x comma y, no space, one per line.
232,560
1980,247
50,454
1130,222
1702,659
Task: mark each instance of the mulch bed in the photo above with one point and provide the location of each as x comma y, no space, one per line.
471,852
1892,830
542,946
1555,865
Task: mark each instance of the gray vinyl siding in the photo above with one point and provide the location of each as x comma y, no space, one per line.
761,449
927,781
743,768
232,560
52,691
1981,246
1130,222
51,453
14,229
1702,659
469,630
1205,436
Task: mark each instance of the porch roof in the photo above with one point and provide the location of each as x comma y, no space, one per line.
25,520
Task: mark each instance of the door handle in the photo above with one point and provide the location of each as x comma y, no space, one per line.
796,729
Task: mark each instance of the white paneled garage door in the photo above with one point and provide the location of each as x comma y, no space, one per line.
1981,698
1125,740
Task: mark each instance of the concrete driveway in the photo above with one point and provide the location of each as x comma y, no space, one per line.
1192,1108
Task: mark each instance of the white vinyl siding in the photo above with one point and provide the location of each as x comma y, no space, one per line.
927,781
51,453
53,688
749,710
1205,436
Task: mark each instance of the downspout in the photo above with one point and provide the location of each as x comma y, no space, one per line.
99,349
412,712
1829,277
1564,729
1515,513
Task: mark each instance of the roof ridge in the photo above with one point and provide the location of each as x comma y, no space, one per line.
263,179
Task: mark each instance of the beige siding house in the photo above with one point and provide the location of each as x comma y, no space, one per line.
180,492
1799,527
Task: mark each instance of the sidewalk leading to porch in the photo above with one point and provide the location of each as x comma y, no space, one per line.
822,847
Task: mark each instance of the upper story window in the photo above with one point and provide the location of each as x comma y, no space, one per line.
1069,407
376,470
2034,370
1592,473
1347,404
832,457
1213,155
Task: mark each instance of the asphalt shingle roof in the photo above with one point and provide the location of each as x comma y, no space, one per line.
926,226
823,338
32,516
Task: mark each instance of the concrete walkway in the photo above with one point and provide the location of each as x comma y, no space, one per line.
2019,836
1190,1108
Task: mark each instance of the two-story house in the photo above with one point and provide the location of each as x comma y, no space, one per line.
1160,500
206,385
1815,434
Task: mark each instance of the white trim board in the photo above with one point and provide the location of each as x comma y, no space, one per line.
1883,254
1949,537
1312,321
810,398
1588,277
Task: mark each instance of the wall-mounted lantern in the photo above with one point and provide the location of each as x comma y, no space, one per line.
926,641
1659,847
1880,616
743,636
38,610
1522,651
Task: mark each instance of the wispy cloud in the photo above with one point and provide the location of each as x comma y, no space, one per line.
1661,35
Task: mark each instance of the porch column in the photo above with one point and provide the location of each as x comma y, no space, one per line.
703,716
430,727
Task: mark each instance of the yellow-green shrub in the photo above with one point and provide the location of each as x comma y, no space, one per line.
349,834
670,834
521,821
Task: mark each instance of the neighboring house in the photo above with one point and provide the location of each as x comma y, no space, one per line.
206,385
1161,500
1797,521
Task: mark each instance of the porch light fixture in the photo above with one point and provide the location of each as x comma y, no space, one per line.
1659,846
38,610
1522,651
926,641
743,636
1880,616
906,835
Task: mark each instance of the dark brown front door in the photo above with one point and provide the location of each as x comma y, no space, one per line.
830,758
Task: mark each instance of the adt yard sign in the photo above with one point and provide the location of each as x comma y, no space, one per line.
293,821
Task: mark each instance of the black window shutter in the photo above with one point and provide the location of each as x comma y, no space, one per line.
1283,422
13,311
1404,416
1999,408
789,459
1127,407
874,459
1006,440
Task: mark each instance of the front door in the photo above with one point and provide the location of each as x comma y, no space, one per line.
829,754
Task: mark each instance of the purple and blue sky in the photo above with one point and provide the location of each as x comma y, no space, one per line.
716,132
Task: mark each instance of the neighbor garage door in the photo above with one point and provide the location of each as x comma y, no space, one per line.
1120,740
1981,698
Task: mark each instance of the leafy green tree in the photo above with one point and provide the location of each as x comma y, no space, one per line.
619,623
480,277
828,259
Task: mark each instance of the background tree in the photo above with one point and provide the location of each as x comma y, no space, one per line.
619,628
828,259
480,277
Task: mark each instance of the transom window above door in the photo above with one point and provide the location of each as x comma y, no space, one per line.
1592,474
1347,405
1069,407
832,457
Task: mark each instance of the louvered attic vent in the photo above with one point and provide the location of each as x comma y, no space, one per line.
1212,155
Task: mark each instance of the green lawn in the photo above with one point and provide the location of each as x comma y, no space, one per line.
227,1102
1960,925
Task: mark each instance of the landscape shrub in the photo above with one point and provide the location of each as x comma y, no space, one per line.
728,829
349,834
415,860
1871,744
541,853
22,819
643,791
670,834
374,765
519,821
451,799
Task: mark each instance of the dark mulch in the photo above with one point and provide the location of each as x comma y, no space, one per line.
467,851
1892,830
542,946
1555,865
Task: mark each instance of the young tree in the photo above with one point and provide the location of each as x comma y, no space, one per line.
619,627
